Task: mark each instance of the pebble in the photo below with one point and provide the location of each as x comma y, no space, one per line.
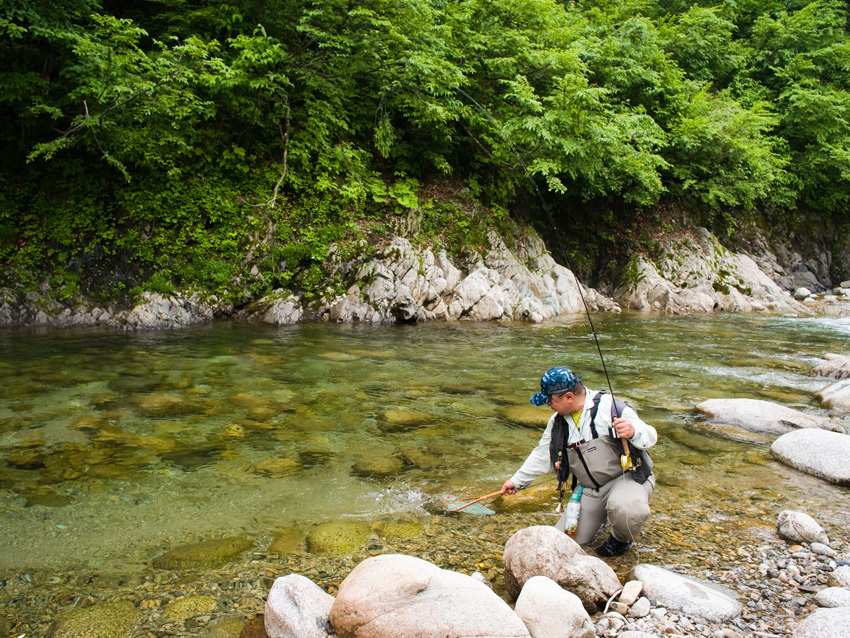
777,581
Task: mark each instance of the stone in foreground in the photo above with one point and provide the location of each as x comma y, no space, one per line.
825,623
394,595
687,595
541,550
799,527
296,606
550,611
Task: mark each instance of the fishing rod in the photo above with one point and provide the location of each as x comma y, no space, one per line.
625,460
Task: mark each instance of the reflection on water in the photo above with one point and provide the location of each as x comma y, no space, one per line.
114,446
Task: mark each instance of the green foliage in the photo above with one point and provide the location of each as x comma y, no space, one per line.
167,145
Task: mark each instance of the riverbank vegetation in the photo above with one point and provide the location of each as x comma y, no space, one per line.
160,145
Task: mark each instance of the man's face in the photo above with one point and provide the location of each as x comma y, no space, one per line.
564,403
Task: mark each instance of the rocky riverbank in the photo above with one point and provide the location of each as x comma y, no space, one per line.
778,582
399,282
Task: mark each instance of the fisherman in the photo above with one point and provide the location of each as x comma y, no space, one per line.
603,444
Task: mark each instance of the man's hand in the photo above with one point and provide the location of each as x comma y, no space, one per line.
509,487
624,428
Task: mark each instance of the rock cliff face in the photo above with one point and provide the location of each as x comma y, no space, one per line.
699,275
403,283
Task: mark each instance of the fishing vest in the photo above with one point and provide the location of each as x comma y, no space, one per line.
597,461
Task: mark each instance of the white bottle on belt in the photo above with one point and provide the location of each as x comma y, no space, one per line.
572,513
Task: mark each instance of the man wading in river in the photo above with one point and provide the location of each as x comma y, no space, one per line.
586,437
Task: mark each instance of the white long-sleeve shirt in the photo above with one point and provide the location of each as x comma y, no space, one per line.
539,462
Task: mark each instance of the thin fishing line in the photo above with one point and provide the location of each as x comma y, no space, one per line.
558,234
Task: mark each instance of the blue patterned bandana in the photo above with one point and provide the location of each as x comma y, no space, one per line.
554,381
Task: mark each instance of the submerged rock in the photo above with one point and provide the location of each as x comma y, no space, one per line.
104,620
761,416
393,530
377,467
207,554
286,540
189,607
337,538
527,416
278,468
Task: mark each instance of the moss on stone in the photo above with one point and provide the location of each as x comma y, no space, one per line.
286,540
381,467
189,607
203,555
392,530
337,538
104,620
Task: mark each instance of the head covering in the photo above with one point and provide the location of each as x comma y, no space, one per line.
554,381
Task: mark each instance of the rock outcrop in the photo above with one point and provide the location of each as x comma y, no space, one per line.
699,275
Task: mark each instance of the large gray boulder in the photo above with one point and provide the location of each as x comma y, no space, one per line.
816,452
542,550
825,623
755,415
297,608
394,595
836,396
839,577
833,597
835,367
549,611
687,595
799,527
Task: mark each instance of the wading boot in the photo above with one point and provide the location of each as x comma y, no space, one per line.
612,547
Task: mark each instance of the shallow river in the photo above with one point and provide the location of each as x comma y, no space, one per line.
115,447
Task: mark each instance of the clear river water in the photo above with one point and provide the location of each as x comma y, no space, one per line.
117,446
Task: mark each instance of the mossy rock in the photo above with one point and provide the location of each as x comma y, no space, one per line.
27,459
533,499
422,460
286,540
104,620
392,530
47,498
158,405
527,416
278,468
248,401
203,555
337,538
380,467
189,607
230,627
402,420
